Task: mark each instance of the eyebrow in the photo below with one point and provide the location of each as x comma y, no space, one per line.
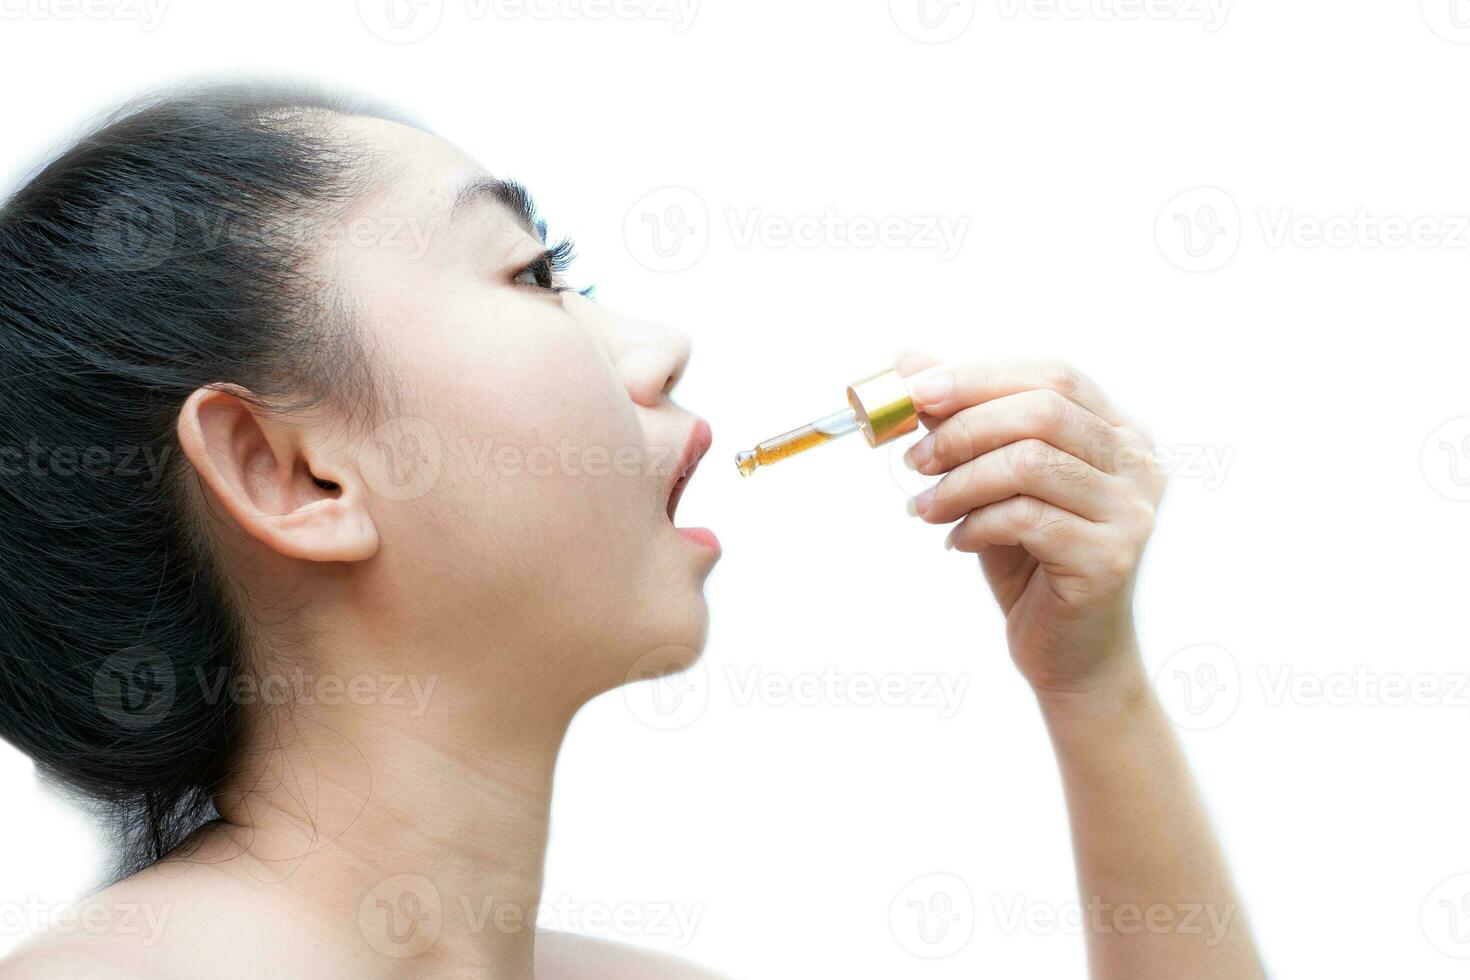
509,193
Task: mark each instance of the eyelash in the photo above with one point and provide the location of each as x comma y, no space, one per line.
551,265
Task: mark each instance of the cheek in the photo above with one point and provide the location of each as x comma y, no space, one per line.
544,475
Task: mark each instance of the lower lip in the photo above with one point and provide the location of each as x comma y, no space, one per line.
701,536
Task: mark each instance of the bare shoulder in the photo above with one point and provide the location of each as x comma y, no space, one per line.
165,922
53,960
564,956
115,934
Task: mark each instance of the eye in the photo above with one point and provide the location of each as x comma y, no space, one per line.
538,274
545,270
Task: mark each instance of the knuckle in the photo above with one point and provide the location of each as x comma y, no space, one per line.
1070,469
1026,513
1130,459
1117,562
1155,481
1050,412
1063,378
1032,458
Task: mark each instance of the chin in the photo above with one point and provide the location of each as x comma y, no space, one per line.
672,645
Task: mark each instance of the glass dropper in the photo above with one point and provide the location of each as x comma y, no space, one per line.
879,407
798,440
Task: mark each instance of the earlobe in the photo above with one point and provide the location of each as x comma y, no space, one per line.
274,478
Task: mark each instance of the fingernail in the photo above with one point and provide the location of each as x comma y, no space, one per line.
949,540
931,387
919,453
919,504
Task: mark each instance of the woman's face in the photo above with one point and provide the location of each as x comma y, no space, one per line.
521,481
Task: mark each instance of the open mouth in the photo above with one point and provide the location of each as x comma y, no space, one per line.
694,450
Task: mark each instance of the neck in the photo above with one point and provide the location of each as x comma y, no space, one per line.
390,824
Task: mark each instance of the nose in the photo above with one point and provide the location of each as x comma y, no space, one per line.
650,357
651,360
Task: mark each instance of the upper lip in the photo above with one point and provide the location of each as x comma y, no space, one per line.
695,447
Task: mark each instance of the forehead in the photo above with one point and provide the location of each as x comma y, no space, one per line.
426,179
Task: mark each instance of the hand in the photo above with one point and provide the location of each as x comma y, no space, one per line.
1056,491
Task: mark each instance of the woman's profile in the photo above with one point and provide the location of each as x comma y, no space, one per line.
362,501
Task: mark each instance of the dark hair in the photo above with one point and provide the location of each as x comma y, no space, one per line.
164,251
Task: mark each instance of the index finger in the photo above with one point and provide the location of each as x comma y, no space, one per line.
912,362
942,390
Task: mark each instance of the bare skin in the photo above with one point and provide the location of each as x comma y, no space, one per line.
1052,486
536,567
373,838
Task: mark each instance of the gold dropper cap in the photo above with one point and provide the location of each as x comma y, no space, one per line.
879,407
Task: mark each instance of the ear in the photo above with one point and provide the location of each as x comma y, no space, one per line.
275,478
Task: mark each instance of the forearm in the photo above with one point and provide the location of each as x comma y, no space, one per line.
1057,491
1157,898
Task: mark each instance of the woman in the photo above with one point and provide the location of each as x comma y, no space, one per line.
331,414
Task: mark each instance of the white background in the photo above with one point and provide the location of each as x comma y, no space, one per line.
1305,386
